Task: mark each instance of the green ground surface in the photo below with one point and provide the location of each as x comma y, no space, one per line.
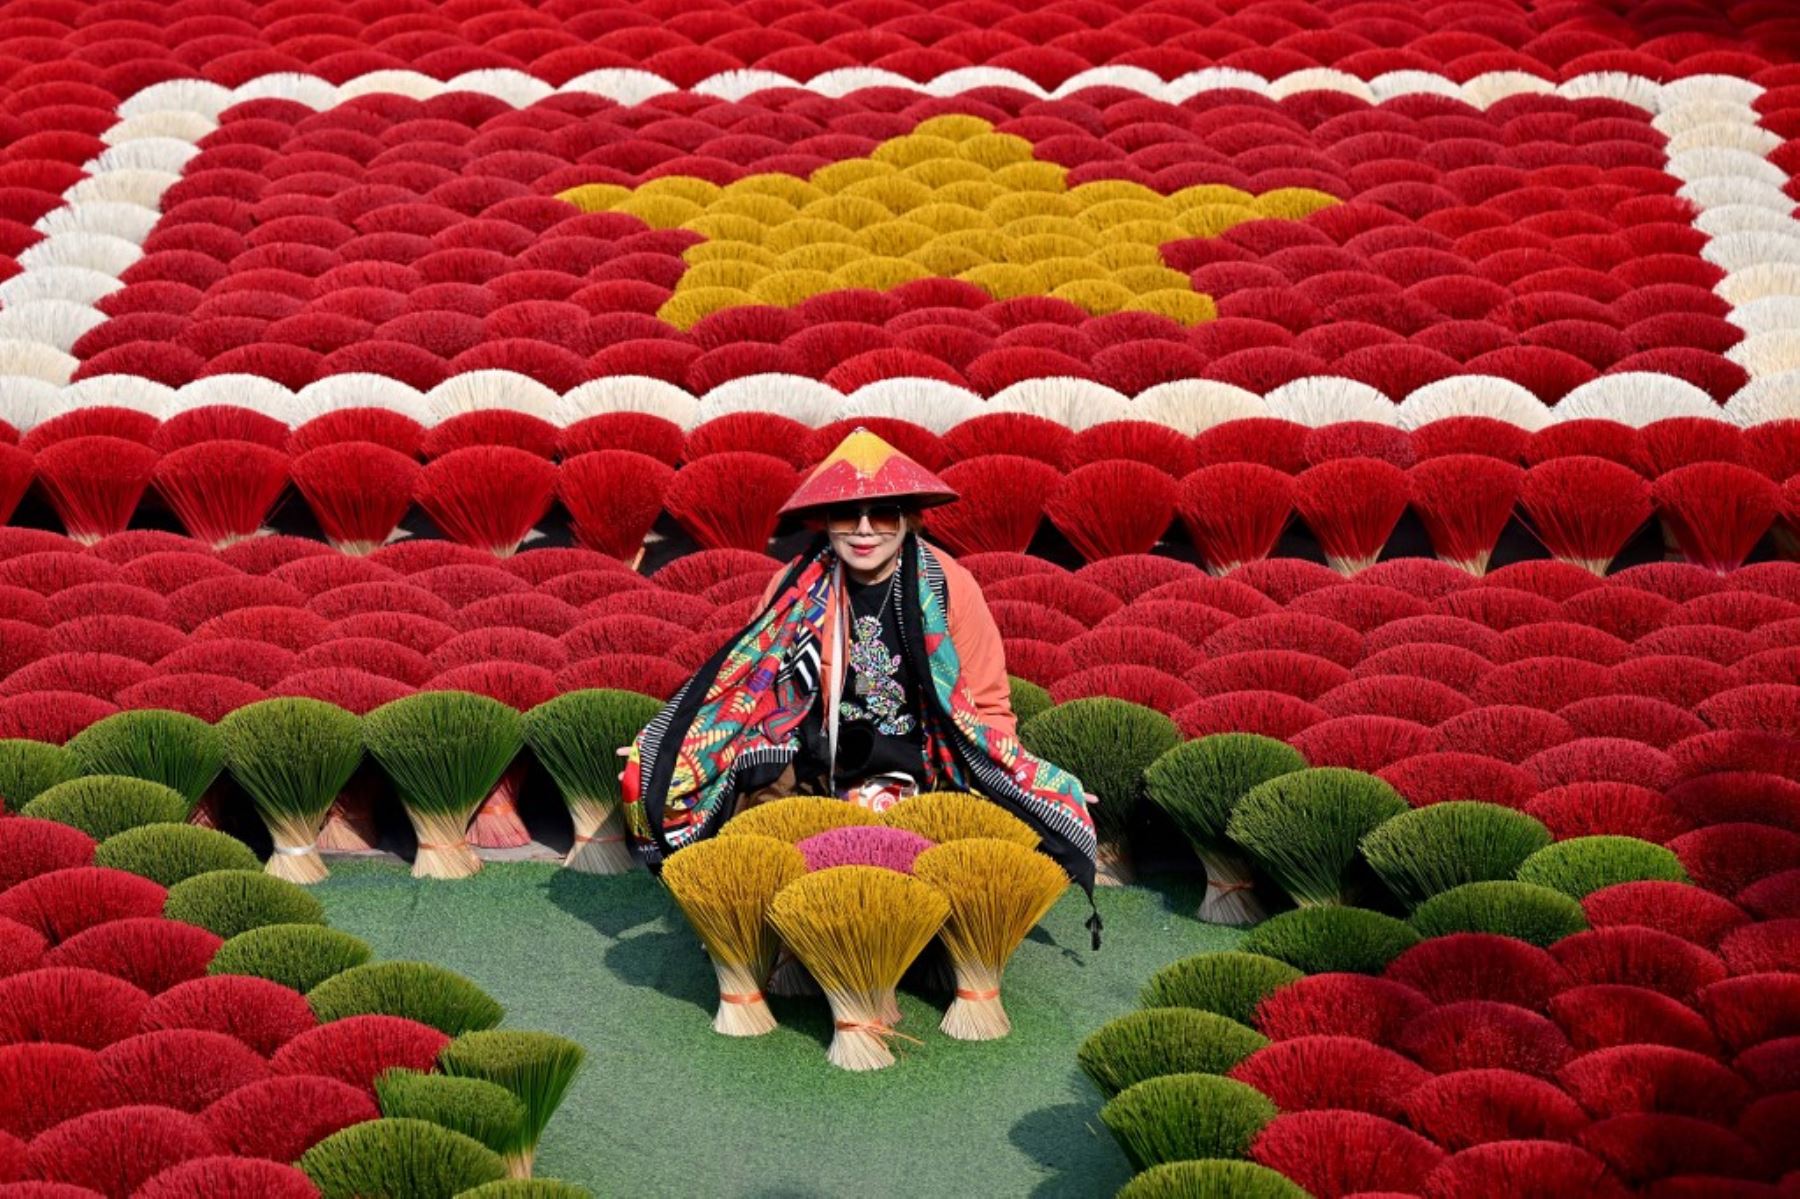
665,1107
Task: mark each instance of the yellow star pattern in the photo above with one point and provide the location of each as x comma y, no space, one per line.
952,199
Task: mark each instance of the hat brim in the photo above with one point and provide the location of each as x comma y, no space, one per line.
911,499
865,468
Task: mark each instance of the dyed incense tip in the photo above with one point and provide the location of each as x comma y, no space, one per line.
873,845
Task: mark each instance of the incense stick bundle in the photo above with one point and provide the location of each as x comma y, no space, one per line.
857,928
724,887
997,892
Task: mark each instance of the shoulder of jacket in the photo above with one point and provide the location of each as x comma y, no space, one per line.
956,575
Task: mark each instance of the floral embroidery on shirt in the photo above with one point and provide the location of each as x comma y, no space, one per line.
874,667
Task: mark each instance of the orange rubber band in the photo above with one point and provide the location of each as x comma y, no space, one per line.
752,997
450,845
961,993
882,1031
1228,888
580,839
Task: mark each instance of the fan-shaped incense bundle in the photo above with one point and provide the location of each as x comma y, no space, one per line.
444,750
1198,783
576,736
857,845
794,820
946,816
724,887
292,756
857,928
956,816
997,891
853,845
798,817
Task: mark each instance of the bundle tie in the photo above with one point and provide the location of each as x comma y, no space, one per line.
752,997
1229,888
294,851
446,845
583,839
978,996
883,1032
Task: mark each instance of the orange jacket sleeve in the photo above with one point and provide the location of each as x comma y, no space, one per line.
978,648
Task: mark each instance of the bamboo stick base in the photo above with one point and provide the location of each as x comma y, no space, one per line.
600,845
1230,898
743,1012
1112,866
860,1037
983,1019
446,860
497,824
976,1013
350,824
297,864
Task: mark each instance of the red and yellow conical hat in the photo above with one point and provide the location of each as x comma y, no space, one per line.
862,468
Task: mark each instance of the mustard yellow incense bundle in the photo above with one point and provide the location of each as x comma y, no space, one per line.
857,928
997,892
724,887
796,818
944,816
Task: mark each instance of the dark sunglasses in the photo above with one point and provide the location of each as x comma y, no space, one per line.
883,518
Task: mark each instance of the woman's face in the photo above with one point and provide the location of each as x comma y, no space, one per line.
866,537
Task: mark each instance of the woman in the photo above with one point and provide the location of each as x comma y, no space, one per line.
923,704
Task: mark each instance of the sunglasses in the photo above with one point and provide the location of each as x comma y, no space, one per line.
883,518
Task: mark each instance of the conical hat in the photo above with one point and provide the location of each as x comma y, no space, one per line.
864,467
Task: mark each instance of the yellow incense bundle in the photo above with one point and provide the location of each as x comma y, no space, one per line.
857,928
793,820
945,816
796,818
997,892
724,887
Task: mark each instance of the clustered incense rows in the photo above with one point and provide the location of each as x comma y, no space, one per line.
178,1024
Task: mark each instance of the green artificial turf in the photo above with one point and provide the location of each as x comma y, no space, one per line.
665,1107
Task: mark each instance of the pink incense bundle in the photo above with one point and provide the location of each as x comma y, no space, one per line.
864,845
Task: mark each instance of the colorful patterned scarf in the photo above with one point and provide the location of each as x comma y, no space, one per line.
743,709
